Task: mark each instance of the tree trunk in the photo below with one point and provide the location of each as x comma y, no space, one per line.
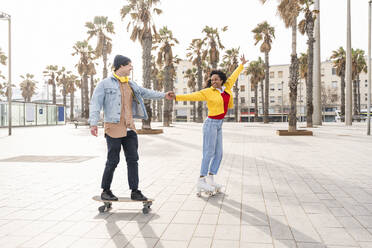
255,103
72,105
82,98
262,97
200,86
293,81
267,68
91,86
160,110
104,58
146,76
194,111
54,93
342,110
167,103
236,91
358,86
154,110
310,66
86,96
355,98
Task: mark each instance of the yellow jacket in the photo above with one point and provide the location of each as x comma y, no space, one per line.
213,96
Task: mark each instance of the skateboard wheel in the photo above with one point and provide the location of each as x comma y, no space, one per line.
101,209
198,194
145,210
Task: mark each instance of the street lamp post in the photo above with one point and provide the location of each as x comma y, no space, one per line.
348,99
282,104
4,16
369,71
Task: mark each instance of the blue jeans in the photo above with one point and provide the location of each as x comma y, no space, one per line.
212,146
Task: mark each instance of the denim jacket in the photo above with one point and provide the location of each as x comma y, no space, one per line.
107,94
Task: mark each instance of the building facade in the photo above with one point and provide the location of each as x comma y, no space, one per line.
278,94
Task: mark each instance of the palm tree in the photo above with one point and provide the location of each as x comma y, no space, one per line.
50,72
265,33
3,58
307,26
288,11
303,67
256,70
101,28
62,79
195,56
191,75
213,43
166,60
339,62
230,63
3,85
28,87
358,65
143,27
93,82
85,51
70,89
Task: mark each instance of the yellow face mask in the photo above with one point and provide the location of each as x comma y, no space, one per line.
122,79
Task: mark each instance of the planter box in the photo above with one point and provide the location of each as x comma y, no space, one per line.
295,133
149,131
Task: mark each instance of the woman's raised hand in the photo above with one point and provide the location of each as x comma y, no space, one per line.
243,60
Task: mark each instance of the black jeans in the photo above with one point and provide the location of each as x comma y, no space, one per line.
130,146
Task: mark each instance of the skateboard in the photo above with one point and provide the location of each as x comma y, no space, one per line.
107,204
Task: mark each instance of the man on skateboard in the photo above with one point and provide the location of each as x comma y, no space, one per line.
122,100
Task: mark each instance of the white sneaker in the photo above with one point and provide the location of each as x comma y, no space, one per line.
211,182
202,185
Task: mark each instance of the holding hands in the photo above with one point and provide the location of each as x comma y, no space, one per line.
170,95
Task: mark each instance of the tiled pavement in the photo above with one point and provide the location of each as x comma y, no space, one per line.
282,192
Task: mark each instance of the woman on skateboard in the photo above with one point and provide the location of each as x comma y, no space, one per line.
219,99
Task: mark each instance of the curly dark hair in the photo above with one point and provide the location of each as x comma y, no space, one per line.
220,74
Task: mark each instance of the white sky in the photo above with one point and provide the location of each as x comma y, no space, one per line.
44,32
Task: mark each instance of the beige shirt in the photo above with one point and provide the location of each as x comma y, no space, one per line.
119,130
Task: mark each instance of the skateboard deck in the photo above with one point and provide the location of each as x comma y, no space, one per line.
107,204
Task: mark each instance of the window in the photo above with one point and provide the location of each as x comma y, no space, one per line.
280,86
242,88
272,87
334,84
272,99
184,80
280,74
252,88
253,100
184,90
244,110
242,99
334,71
184,103
176,80
260,100
279,98
271,74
